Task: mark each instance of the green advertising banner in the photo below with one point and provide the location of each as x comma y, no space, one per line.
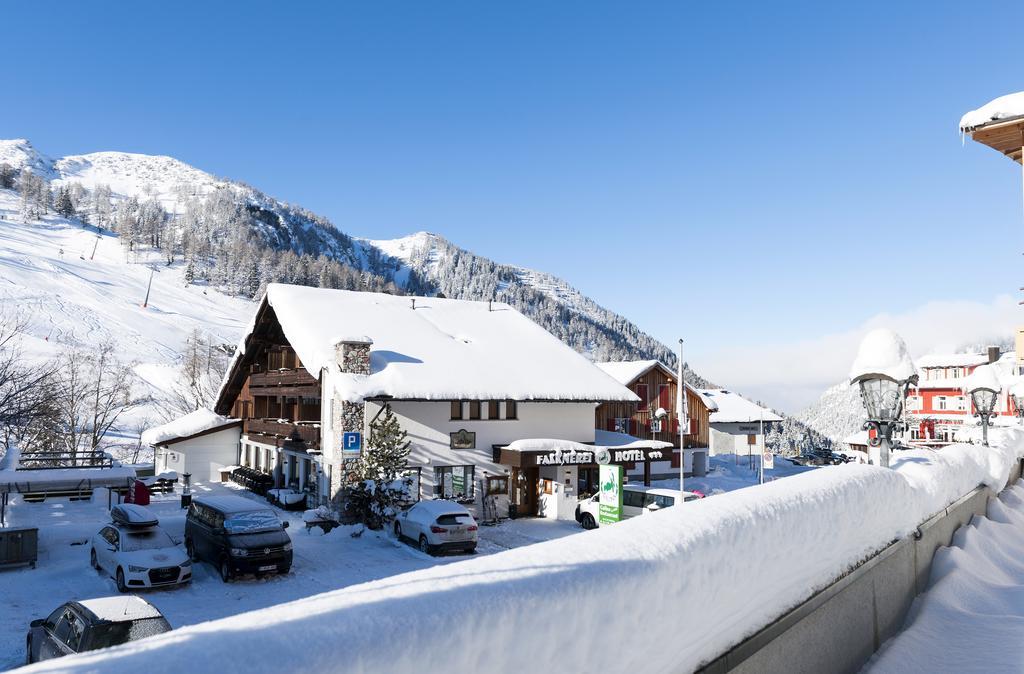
610,501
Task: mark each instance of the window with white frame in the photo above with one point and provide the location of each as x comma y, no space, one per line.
913,403
941,403
960,403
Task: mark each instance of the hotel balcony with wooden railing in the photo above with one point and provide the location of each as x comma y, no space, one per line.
280,431
284,382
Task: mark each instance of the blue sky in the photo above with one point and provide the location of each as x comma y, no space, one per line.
752,177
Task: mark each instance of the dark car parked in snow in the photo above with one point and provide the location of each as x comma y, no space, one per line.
90,624
237,536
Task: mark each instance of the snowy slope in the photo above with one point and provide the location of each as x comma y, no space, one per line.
837,413
77,302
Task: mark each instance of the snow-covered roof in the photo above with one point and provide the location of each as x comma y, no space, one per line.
120,608
858,438
627,371
610,439
732,407
444,349
984,376
62,479
1000,109
186,426
231,504
952,360
883,352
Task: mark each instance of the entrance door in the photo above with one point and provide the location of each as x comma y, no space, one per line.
525,482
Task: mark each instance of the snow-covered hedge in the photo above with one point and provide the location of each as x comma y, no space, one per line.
663,592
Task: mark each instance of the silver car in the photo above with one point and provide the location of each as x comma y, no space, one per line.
437,526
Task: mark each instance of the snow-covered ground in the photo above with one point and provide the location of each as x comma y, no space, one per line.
715,570
321,563
971,619
728,472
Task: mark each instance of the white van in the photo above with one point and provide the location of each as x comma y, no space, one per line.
636,500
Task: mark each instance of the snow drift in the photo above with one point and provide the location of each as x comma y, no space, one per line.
664,592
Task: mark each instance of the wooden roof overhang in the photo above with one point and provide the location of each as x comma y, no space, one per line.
1005,136
266,331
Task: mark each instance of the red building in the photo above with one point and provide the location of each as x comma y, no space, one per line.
939,405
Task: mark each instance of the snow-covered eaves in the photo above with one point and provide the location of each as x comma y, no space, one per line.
195,423
1002,109
627,371
734,408
443,349
951,360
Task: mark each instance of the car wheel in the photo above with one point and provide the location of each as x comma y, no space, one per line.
425,545
471,549
190,550
119,579
225,571
398,531
283,571
92,559
588,521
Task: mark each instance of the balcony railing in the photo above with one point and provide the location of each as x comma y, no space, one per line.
282,431
290,382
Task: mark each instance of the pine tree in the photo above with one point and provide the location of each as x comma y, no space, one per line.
63,204
376,499
7,176
190,273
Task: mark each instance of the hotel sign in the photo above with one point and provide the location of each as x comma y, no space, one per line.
610,496
463,439
601,456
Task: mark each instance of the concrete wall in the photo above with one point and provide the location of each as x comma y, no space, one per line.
841,627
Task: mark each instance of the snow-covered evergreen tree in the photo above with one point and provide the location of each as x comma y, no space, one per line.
382,487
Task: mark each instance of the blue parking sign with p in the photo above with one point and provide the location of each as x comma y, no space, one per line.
352,442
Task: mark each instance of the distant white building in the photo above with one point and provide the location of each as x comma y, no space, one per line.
736,424
201,443
493,404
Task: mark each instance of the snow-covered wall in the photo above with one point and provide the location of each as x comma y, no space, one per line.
577,599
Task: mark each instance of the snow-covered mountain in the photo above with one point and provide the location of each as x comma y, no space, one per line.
421,263
837,414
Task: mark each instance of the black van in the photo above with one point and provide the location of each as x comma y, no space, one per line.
237,535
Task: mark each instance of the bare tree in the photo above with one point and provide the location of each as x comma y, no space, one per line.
26,389
203,365
95,389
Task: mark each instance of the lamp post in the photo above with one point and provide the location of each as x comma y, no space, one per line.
883,370
983,387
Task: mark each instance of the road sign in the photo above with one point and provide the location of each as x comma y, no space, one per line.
767,460
352,442
610,500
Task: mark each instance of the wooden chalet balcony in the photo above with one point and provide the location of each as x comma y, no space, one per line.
278,432
284,382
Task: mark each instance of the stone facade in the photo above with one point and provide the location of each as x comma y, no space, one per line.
353,357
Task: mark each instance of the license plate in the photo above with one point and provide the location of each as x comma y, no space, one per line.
457,530
272,567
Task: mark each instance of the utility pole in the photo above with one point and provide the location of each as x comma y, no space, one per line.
145,303
683,420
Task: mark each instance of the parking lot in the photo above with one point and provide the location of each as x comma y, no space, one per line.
321,563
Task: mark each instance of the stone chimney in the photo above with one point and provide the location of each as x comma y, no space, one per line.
993,354
352,355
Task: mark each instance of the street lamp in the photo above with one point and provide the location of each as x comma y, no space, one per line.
883,370
983,387
1017,394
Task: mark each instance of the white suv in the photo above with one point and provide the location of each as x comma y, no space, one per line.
636,500
437,525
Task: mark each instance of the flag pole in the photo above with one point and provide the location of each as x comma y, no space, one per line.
683,421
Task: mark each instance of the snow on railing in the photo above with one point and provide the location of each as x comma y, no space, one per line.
665,592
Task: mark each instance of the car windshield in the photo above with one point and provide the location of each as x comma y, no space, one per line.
112,634
251,522
149,539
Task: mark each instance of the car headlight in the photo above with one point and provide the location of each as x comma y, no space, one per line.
187,562
287,547
239,552
136,569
